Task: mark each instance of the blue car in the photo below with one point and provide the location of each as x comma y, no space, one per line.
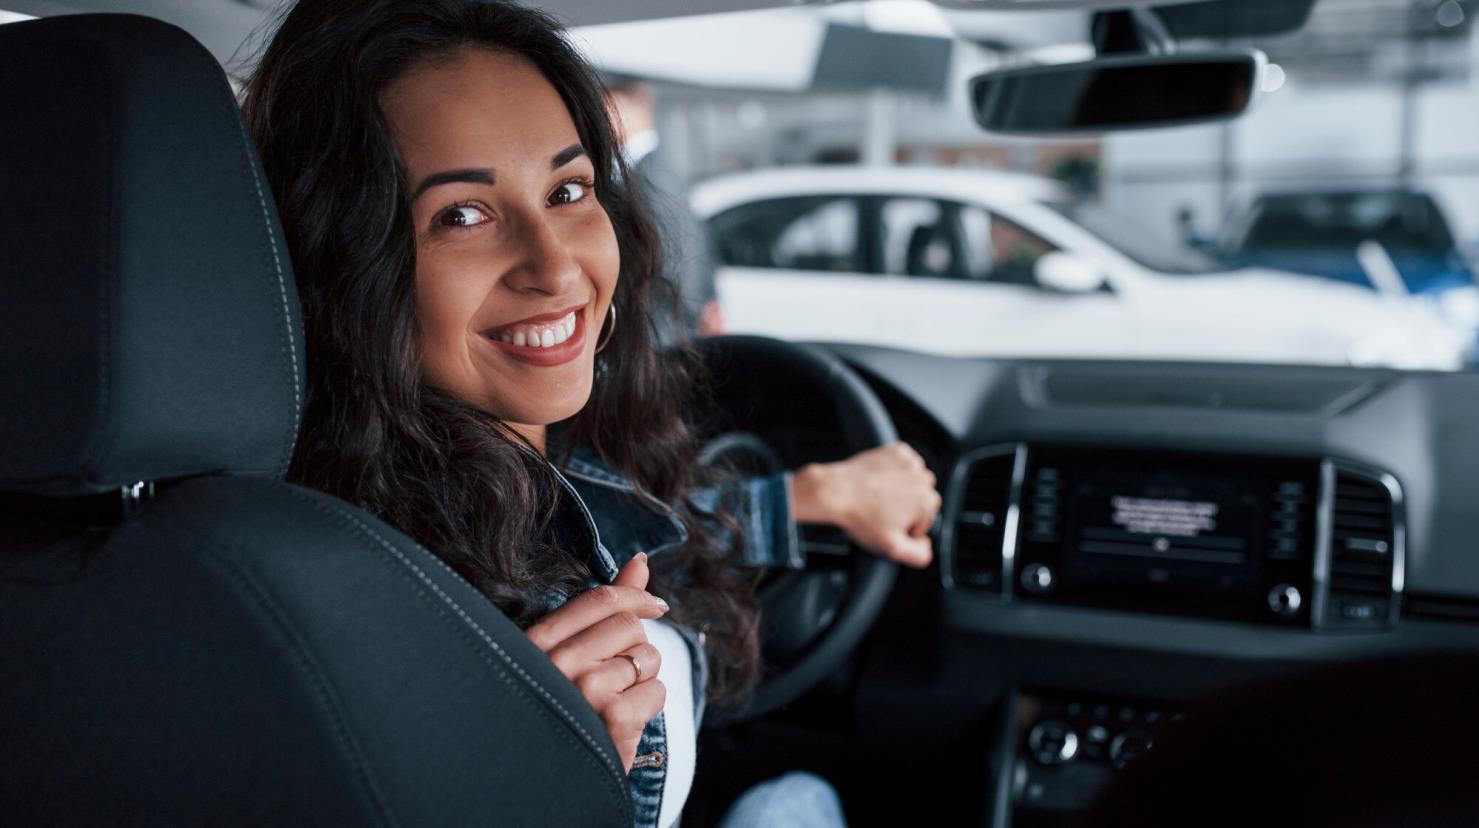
1321,233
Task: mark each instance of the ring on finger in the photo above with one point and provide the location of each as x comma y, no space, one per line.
636,665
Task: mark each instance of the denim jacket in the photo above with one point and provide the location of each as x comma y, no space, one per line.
608,521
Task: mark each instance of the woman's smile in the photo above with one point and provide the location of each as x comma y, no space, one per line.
547,339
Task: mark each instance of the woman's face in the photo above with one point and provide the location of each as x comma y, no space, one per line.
516,260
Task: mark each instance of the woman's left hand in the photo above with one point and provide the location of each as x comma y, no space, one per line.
884,498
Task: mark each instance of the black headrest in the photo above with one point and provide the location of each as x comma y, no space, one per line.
149,325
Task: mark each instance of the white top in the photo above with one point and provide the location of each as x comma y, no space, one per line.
676,674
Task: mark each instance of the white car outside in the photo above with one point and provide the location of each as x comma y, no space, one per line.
978,263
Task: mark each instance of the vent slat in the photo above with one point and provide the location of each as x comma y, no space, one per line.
1358,586
1361,507
1352,568
1362,523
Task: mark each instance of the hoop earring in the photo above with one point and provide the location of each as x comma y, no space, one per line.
608,328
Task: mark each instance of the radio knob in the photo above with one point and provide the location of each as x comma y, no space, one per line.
1128,746
1052,742
1285,600
1037,579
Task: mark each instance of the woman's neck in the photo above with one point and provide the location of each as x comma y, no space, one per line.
535,434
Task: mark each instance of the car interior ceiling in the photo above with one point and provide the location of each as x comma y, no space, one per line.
187,639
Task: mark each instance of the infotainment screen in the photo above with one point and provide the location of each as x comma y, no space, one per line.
1190,534
1134,518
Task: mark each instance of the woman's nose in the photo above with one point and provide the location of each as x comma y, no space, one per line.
546,262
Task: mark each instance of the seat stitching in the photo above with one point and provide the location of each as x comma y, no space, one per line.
305,662
341,518
467,619
464,633
248,162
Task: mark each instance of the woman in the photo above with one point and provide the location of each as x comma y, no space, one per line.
479,287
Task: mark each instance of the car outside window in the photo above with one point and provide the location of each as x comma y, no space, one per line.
801,233
1396,220
1009,251
937,239
916,240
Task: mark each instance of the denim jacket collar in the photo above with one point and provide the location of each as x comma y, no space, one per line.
631,520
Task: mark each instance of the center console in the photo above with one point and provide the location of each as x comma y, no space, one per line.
1302,542
1151,549
1066,748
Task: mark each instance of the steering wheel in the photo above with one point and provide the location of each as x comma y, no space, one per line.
776,405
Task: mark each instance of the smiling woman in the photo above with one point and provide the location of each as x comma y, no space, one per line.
437,166
465,241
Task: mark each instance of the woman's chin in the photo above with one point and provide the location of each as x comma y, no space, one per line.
540,413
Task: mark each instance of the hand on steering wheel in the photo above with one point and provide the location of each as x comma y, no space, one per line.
884,498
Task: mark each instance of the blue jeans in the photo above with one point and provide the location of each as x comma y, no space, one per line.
795,800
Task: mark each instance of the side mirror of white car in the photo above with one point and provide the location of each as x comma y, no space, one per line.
1067,273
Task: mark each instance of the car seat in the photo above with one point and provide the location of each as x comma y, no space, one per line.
185,638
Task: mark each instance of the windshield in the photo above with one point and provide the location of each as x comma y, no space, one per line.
849,196
818,173
1396,220
1144,245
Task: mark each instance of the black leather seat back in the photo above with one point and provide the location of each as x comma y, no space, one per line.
235,649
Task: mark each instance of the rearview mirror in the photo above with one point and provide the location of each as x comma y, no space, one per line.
1067,273
1115,93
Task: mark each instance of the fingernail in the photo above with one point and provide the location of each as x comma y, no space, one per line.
640,556
661,604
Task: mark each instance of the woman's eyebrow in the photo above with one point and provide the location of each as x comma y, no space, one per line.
476,176
470,176
566,155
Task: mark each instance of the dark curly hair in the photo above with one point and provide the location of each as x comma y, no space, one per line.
437,468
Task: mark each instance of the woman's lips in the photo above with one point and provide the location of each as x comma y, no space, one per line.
553,339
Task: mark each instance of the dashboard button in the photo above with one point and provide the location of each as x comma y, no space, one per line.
1285,600
1052,742
1038,579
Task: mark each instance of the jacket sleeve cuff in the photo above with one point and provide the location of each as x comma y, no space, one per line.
771,536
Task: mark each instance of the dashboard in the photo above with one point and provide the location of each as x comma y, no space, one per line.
1121,541
1218,435
1125,550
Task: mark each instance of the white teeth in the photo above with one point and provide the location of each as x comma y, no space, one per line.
542,338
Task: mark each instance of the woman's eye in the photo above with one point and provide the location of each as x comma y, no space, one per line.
569,192
462,216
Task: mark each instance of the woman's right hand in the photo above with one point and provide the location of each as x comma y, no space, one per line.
589,638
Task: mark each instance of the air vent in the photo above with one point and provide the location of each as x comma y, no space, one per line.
982,488
1365,550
